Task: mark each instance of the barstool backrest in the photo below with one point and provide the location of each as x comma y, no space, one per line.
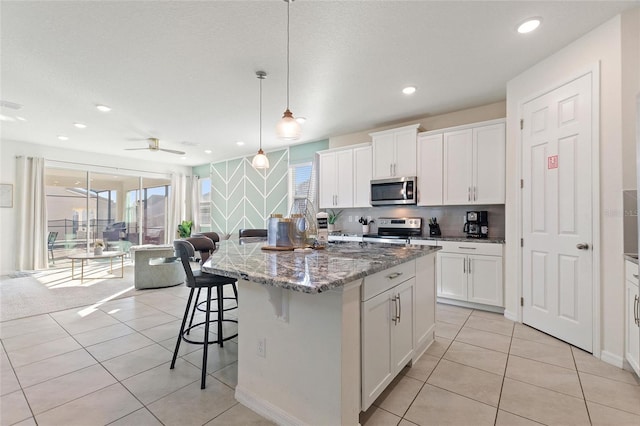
185,251
242,233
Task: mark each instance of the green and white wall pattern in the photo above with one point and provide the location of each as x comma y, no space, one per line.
243,197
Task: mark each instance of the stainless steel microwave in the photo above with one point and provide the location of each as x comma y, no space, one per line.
392,191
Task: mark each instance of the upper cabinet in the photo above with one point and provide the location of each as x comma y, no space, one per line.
394,152
462,165
344,177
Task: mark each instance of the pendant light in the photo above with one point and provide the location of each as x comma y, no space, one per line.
260,161
288,129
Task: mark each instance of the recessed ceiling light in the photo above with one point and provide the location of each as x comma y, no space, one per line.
103,108
21,118
301,120
207,151
239,143
409,90
80,125
63,138
529,25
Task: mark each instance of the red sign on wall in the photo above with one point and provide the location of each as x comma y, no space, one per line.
552,162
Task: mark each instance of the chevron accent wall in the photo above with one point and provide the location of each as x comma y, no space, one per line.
243,197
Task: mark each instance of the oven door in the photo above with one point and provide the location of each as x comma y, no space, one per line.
393,191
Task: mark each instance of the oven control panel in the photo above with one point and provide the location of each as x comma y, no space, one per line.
400,222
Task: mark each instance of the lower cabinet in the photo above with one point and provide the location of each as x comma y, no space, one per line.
632,317
398,322
471,272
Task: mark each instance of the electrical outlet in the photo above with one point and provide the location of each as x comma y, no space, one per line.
261,349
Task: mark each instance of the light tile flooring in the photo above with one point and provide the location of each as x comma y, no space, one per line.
109,364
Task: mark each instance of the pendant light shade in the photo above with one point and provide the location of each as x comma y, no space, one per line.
288,129
260,161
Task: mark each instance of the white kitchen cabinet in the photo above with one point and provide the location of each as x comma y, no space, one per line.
394,152
344,177
474,164
471,272
429,171
387,328
425,294
362,169
632,317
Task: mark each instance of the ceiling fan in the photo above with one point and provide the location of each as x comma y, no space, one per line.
154,145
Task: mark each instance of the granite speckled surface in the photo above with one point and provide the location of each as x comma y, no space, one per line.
312,272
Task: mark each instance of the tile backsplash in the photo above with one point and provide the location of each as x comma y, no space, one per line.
450,218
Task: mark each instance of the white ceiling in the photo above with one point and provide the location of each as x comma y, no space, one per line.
184,71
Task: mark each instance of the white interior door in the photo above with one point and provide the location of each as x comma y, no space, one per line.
557,263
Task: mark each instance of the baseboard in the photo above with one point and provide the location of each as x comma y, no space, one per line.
265,408
471,305
511,315
612,359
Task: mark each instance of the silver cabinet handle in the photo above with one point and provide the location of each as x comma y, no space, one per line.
390,169
400,308
636,313
464,266
475,189
582,246
469,269
466,248
394,317
394,275
468,193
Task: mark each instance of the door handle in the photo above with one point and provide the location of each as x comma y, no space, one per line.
582,246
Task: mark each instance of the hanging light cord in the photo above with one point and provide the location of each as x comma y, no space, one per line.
288,5
260,77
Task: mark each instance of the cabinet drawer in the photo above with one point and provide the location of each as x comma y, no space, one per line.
384,280
486,249
631,271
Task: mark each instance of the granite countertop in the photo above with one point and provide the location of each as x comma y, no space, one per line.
631,257
309,272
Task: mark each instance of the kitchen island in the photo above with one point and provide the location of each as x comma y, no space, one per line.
322,333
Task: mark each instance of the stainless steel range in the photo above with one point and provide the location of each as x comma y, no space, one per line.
395,230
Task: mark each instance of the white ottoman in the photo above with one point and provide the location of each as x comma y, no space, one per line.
152,273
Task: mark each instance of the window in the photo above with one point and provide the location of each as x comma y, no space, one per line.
303,188
205,204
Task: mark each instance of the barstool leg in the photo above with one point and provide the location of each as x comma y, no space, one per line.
193,311
220,289
206,340
184,320
235,292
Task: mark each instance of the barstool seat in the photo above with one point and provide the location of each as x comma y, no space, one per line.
200,280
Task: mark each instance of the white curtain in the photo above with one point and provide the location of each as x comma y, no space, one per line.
177,206
31,209
193,209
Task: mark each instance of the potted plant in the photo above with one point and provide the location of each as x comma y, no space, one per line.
98,247
365,222
184,229
333,217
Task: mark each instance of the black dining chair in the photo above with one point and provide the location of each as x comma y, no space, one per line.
200,280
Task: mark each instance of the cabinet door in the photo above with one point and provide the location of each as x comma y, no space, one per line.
362,177
485,280
402,329
327,179
489,164
344,178
376,346
383,153
452,275
425,292
430,170
405,153
458,167
632,333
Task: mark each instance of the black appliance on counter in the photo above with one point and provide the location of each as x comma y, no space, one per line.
395,230
477,224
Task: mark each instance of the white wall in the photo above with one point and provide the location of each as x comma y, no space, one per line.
602,45
8,152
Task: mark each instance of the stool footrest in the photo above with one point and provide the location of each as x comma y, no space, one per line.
201,342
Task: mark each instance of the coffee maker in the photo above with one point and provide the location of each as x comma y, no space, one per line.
476,224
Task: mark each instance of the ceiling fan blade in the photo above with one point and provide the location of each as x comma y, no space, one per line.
171,151
136,149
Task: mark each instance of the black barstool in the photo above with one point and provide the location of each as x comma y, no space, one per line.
200,280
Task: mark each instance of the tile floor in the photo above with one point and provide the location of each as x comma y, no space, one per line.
109,364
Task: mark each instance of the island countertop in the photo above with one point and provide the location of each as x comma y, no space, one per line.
308,272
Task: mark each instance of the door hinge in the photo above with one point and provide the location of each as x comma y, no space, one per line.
521,183
521,242
521,124
522,301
